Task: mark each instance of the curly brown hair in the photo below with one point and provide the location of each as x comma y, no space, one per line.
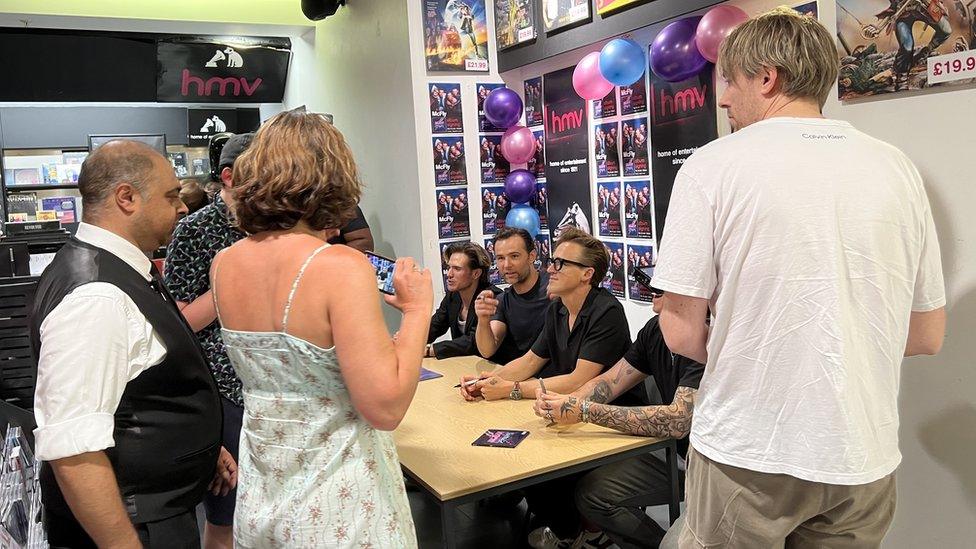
298,168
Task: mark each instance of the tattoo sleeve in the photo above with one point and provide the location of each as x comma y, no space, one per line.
666,421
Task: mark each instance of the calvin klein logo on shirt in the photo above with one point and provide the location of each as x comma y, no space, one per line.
831,136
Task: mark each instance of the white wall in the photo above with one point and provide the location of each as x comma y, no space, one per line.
937,478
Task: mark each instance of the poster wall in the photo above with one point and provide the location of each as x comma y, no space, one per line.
608,208
614,281
896,46
445,108
449,168
633,143
637,257
514,22
533,102
452,213
494,207
567,153
683,118
455,35
606,107
605,150
494,167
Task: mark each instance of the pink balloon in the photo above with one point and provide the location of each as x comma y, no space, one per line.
715,26
588,81
518,145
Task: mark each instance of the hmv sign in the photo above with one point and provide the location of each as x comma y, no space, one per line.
206,71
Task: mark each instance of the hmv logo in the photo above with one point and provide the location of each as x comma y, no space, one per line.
681,102
569,121
218,85
209,72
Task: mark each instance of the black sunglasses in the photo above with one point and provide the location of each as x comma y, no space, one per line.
558,262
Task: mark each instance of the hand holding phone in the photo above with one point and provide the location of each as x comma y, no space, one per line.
385,270
406,286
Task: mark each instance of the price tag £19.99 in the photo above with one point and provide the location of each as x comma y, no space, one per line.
951,67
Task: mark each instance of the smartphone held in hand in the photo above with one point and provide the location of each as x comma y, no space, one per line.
384,272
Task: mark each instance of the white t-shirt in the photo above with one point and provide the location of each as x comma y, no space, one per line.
813,242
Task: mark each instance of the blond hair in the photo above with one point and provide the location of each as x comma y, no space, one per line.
298,167
798,47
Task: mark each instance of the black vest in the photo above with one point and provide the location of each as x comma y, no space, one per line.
168,423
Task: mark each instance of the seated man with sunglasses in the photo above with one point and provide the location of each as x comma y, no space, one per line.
611,496
585,330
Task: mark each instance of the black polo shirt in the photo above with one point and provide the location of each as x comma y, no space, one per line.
599,335
524,316
650,355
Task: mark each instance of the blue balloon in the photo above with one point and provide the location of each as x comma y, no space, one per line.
523,216
622,61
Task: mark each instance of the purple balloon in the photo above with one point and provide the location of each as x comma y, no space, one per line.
674,54
503,107
520,186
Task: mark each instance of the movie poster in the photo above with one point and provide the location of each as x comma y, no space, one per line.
637,209
608,208
557,14
455,35
537,164
895,46
633,98
633,141
494,208
638,257
614,281
494,276
514,22
452,213
567,153
606,152
682,119
533,102
606,107
483,124
449,166
608,6
541,203
445,108
543,250
494,167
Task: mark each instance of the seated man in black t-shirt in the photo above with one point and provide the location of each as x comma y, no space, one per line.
585,330
609,496
467,276
510,323
355,233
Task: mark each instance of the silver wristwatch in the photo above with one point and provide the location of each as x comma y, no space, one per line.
516,393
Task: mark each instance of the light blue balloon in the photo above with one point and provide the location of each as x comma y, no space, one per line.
622,61
524,216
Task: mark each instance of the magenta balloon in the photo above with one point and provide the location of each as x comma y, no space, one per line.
714,27
518,145
588,81
503,107
674,55
520,186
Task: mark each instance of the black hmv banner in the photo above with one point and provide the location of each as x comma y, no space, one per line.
205,71
682,119
567,153
202,124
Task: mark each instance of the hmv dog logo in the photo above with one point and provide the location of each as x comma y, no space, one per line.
229,55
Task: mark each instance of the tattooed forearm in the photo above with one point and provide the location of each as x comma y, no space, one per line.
601,393
671,420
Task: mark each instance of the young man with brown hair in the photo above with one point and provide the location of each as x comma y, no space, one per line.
467,277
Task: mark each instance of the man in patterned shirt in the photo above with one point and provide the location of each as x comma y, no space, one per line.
196,240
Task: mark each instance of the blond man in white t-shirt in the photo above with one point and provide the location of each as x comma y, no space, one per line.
814,246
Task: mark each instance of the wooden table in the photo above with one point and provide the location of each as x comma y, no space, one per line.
434,444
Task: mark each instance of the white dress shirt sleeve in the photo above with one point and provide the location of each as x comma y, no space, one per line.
92,344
